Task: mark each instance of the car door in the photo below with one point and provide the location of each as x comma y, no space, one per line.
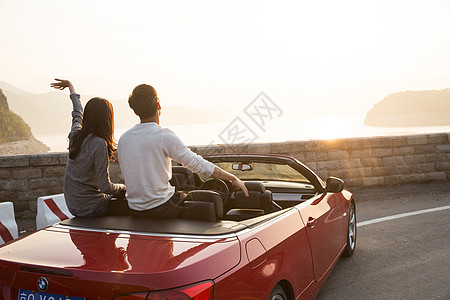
273,250
323,221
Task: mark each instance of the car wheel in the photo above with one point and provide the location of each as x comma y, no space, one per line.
278,293
351,231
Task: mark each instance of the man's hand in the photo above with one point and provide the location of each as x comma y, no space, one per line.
239,185
224,175
62,84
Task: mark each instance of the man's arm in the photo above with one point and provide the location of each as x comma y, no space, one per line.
236,182
197,164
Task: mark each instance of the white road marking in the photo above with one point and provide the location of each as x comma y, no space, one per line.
393,217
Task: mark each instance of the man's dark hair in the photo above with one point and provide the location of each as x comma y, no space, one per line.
144,101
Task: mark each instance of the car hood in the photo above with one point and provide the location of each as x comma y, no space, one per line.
155,262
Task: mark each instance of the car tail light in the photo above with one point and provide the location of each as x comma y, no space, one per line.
199,291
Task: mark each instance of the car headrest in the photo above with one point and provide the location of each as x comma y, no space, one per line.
198,210
207,196
255,186
178,181
182,178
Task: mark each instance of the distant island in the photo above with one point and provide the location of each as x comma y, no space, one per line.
15,135
411,109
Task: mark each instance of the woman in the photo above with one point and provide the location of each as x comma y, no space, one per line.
87,187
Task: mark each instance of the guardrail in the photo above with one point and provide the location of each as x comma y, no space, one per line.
50,210
8,225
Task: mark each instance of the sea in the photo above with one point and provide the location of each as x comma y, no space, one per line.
250,130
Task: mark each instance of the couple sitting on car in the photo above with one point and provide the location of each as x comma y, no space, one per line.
145,153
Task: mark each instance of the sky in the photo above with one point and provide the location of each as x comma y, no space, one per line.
334,57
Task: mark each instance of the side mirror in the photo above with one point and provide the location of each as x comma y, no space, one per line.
334,185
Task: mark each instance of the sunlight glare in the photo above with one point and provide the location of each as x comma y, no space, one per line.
331,127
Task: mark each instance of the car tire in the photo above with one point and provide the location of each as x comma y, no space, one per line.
278,293
351,231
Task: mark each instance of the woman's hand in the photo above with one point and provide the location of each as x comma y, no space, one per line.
62,84
121,194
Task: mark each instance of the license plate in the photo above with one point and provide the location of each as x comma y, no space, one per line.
32,295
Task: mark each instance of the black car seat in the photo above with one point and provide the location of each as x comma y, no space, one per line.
202,205
258,203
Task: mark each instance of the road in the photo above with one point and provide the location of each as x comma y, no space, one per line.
402,258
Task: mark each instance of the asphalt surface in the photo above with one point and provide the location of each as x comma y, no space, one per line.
404,258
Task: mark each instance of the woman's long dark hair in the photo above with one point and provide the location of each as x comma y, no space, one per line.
98,120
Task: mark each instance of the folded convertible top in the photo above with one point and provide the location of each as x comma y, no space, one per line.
155,226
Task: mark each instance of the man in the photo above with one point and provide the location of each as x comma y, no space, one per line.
145,154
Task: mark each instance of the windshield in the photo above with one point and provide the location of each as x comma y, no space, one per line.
265,172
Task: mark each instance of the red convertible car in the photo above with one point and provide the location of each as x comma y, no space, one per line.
279,243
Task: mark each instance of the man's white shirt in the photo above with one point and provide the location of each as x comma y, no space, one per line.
145,154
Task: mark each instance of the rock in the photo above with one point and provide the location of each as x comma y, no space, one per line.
15,134
24,147
3,102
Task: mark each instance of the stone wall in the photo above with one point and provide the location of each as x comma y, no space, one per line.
361,162
23,178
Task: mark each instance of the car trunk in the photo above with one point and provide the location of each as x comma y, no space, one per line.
101,264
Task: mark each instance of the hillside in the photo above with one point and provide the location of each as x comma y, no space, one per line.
12,127
41,111
411,108
15,134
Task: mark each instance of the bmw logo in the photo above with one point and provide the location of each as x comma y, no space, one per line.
42,284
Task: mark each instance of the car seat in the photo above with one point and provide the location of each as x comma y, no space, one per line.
258,203
202,205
